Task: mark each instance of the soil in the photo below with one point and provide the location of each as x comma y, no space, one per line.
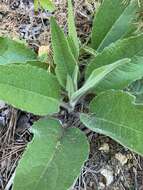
110,166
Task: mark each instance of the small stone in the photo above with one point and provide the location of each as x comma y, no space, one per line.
2,104
1,16
105,147
101,186
43,50
121,158
108,174
129,156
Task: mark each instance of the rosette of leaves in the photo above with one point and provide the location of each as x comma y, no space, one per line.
53,159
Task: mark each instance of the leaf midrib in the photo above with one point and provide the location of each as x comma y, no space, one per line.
106,35
32,92
63,57
118,124
50,160
107,49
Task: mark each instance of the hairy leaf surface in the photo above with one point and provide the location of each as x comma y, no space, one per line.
127,48
117,116
112,22
53,159
70,86
72,33
29,88
14,52
36,63
122,76
98,75
89,50
125,74
136,89
63,57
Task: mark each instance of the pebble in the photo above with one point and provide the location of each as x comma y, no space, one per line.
108,174
121,158
2,104
105,147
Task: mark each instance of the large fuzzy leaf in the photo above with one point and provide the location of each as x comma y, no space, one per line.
14,52
63,57
53,159
97,76
112,22
73,39
117,116
122,76
29,88
127,48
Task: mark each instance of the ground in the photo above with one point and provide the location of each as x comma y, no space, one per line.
110,166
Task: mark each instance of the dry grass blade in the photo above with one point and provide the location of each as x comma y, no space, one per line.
12,146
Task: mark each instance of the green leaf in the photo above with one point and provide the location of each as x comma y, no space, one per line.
45,4
89,50
72,47
122,76
63,57
29,88
70,86
95,78
72,33
136,89
53,159
112,22
75,77
14,52
39,64
117,116
127,48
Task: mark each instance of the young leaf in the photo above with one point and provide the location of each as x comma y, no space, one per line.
72,47
127,48
89,50
75,77
45,4
122,76
70,86
73,39
112,22
136,89
29,88
63,57
14,52
96,77
53,159
117,116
